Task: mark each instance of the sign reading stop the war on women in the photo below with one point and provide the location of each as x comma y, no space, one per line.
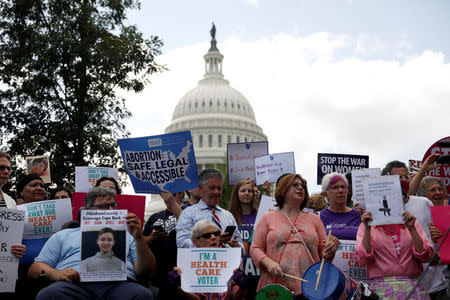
340,163
207,270
270,167
345,260
11,227
241,159
160,162
87,177
44,218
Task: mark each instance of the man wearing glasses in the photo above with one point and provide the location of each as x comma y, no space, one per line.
59,260
5,172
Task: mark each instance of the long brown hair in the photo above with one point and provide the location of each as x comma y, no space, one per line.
234,207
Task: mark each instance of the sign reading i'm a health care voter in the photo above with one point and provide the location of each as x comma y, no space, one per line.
160,162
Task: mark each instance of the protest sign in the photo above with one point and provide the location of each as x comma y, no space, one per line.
44,218
414,166
104,245
443,171
241,159
39,165
87,177
441,219
11,228
357,183
345,260
270,167
340,163
251,271
383,198
160,162
207,270
266,204
133,203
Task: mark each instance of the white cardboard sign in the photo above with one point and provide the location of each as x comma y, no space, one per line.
357,183
241,160
87,177
270,167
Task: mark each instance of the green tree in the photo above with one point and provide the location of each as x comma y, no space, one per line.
61,65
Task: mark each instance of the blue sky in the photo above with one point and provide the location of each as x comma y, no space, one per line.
355,77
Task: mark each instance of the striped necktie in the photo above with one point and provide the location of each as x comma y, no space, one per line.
215,218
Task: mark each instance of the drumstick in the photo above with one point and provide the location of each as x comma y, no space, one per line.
321,265
295,277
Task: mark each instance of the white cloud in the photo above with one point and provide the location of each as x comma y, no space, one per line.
308,99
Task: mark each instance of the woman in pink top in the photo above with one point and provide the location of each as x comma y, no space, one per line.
288,240
394,255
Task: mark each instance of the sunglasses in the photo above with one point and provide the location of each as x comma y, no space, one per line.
3,168
209,234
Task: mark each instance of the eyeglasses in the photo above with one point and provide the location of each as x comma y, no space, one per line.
436,189
209,234
105,206
335,188
298,185
3,168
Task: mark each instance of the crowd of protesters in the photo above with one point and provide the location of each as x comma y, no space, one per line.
286,241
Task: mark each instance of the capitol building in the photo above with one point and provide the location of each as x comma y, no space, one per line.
216,114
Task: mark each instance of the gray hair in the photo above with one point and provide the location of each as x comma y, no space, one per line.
426,181
207,174
199,227
332,178
97,192
393,164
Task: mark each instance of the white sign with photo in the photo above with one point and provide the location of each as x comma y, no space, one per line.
87,177
270,167
44,218
357,183
383,196
104,245
11,228
207,270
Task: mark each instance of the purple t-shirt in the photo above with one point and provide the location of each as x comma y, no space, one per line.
344,226
248,220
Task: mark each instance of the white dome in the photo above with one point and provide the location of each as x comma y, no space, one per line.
215,113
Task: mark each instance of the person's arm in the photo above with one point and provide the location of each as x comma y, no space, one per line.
171,203
410,220
145,264
68,275
428,164
183,229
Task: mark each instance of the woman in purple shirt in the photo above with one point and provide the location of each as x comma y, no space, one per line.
342,220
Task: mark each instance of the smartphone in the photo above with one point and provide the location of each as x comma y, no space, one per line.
230,229
443,159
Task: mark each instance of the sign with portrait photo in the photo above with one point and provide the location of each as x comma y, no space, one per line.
11,228
87,177
241,159
160,162
39,165
104,245
383,197
207,270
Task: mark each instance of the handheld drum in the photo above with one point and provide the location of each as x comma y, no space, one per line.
333,284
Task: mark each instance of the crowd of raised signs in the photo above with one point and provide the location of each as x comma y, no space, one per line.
304,232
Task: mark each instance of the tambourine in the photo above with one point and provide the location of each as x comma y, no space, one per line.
274,292
333,284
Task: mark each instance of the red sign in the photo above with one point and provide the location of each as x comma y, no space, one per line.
444,170
134,204
441,219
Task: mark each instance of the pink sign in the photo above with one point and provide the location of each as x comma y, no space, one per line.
133,203
444,170
441,219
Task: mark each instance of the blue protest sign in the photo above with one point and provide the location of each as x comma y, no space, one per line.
340,163
160,162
